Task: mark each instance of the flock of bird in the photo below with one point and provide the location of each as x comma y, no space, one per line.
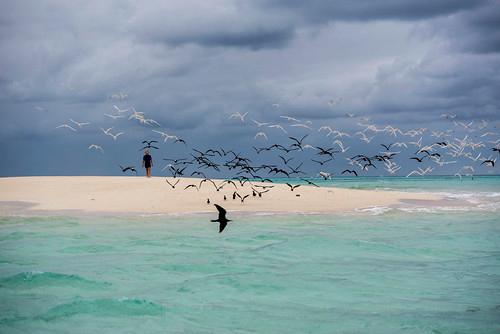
466,146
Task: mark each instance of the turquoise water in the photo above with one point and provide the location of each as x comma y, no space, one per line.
391,272
433,183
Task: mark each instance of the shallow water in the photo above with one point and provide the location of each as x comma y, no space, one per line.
358,273
430,183
469,193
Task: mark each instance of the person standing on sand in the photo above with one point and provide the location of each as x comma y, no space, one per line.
147,162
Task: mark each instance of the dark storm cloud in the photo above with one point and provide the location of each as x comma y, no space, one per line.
273,24
191,64
366,10
233,24
257,39
474,31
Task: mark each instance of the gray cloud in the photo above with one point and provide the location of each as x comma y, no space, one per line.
474,31
345,10
256,39
190,65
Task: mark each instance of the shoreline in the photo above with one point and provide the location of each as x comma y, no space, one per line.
131,195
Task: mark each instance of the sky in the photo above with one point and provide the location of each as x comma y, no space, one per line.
190,65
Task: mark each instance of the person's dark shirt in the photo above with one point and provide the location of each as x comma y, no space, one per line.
147,160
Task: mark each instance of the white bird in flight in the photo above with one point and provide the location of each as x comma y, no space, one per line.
116,135
341,145
119,96
96,147
79,124
261,135
340,134
107,130
165,135
120,110
259,124
364,137
66,126
238,115
300,125
114,116
290,119
277,126
148,121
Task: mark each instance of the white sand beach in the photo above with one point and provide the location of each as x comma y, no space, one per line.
138,195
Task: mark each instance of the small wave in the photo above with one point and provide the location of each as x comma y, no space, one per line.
466,201
485,207
89,249
123,307
468,195
374,210
16,236
34,279
436,209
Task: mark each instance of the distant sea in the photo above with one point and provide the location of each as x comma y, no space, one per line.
410,269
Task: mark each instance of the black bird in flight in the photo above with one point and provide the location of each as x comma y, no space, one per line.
191,185
326,151
260,192
387,147
208,180
489,161
321,162
350,172
175,161
229,182
199,173
298,143
417,158
285,161
309,182
222,220
365,166
292,187
172,185
148,144
180,140
242,198
130,168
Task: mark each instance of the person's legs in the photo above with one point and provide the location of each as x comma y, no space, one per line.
148,172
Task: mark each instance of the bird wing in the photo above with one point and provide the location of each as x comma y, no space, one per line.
222,226
222,211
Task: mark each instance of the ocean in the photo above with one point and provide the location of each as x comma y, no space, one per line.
409,269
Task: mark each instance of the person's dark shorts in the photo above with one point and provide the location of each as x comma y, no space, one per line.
146,165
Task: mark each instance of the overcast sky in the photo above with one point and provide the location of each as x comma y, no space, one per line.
190,64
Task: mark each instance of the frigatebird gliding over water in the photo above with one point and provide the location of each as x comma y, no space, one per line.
222,220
